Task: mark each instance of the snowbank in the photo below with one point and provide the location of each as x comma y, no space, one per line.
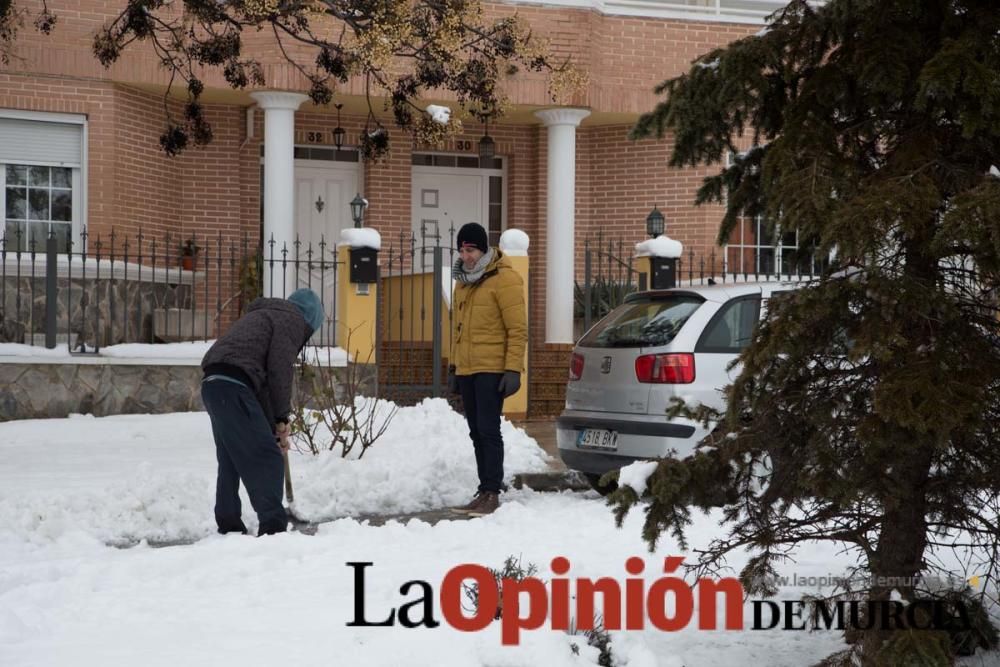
180,353
67,485
133,477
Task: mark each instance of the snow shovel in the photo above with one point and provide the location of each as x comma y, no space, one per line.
290,494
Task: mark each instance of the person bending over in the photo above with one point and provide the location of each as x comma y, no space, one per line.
247,390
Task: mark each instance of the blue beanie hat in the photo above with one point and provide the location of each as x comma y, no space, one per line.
309,305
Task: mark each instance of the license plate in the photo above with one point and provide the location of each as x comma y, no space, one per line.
598,438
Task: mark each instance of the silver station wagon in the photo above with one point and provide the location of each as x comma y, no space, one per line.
656,346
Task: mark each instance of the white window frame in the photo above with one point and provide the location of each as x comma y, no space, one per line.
757,246
79,178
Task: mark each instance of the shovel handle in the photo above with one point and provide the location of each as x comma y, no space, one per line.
288,479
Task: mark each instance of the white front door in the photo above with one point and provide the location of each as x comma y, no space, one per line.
323,192
445,198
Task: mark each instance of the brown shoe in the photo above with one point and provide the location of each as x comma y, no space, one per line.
489,504
471,505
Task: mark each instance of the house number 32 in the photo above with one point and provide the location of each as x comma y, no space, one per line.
314,137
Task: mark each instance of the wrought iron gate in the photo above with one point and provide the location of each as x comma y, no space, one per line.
414,316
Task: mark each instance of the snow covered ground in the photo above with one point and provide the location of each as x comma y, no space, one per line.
178,354
69,487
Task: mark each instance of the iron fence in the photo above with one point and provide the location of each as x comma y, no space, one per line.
610,274
98,291
608,277
414,324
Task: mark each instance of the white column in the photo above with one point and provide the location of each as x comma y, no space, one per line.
560,220
279,181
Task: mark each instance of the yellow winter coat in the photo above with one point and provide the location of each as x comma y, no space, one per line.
489,322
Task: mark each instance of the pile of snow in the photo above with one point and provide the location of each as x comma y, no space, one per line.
19,350
360,237
191,350
67,485
424,461
286,600
131,477
439,114
514,242
181,352
636,475
325,356
661,246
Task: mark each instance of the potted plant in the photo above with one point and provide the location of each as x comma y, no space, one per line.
189,252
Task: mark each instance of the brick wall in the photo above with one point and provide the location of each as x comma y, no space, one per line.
97,101
625,56
147,185
628,178
216,190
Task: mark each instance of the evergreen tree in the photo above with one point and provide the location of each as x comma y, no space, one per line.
867,411
401,49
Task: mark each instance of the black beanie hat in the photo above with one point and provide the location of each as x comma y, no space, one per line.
472,233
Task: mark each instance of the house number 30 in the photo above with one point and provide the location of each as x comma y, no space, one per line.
463,145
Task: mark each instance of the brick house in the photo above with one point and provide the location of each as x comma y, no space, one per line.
560,174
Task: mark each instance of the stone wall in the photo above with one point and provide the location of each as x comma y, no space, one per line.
38,391
104,311
49,390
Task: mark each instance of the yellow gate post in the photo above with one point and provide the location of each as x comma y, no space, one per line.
357,293
514,244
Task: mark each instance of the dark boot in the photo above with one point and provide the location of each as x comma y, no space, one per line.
273,525
488,505
228,525
471,505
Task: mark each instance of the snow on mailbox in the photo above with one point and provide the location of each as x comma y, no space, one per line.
364,245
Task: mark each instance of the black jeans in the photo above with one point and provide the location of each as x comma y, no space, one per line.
246,449
483,403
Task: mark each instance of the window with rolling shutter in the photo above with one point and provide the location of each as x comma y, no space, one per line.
41,166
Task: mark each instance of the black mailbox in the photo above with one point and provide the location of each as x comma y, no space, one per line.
364,265
664,271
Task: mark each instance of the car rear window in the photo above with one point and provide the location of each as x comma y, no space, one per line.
643,322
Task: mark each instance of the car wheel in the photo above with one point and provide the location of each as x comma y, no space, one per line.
595,483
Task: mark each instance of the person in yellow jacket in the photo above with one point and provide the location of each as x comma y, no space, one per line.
489,336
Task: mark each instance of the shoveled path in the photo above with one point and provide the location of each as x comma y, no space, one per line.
553,480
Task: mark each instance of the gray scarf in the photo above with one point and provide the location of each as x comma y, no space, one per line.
476,274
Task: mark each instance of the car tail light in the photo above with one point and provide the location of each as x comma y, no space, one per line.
665,368
576,367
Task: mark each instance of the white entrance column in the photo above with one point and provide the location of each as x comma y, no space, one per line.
560,220
279,182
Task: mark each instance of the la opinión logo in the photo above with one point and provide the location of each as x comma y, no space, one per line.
528,603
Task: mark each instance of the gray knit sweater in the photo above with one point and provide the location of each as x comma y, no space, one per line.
263,344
